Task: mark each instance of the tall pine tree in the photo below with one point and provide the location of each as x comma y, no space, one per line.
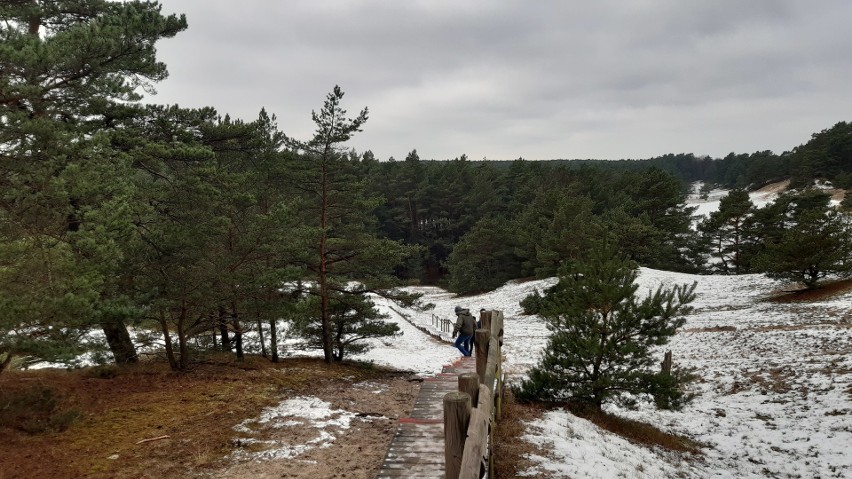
727,230
340,250
70,69
806,239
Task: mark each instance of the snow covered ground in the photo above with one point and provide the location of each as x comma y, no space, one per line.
707,205
760,198
775,394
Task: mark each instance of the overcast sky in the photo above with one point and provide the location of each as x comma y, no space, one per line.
533,79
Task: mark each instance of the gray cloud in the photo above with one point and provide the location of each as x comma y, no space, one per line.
544,79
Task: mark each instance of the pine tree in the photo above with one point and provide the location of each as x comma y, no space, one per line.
727,228
340,250
634,235
255,252
175,271
807,240
70,69
660,198
354,319
569,228
212,226
602,335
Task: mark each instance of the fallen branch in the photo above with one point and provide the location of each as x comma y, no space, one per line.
369,414
153,439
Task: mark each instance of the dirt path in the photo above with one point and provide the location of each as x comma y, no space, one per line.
349,440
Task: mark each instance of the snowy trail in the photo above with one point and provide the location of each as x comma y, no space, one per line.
413,350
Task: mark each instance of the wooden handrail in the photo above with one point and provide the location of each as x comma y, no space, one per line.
476,460
476,455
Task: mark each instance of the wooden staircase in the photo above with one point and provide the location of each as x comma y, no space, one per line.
417,448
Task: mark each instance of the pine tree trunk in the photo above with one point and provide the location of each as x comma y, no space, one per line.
238,332
666,365
167,340
326,321
223,330
324,316
6,361
338,344
323,269
120,344
260,335
273,340
413,219
182,342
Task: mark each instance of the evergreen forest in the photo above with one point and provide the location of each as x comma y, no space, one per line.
157,224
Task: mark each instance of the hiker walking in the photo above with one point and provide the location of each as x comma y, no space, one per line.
465,328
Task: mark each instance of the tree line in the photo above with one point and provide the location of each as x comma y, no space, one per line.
826,156
528,219
186,229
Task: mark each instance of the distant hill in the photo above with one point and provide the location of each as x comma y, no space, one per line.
826,156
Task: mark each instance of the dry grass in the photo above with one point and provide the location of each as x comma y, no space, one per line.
509,449
799,327
710,329
825,290
637,432
196,410
777,187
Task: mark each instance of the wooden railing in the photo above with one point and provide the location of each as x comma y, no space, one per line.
471,413
444,325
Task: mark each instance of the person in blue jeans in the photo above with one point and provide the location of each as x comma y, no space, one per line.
465,328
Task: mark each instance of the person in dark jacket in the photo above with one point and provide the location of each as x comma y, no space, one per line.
465,327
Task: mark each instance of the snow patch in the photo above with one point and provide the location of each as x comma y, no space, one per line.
299,411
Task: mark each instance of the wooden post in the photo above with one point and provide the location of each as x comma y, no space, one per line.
477,445
483,337
498,413
457,409
667,363
469,383
485,320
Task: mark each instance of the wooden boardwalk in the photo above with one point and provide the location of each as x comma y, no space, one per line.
417,448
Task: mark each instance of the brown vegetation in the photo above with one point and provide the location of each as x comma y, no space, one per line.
778,187
94,422
510,450
710,329
635,431
823,291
